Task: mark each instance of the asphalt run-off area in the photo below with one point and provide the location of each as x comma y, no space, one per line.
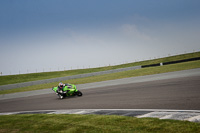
174,95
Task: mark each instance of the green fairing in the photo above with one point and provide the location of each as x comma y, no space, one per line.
72,88
55,89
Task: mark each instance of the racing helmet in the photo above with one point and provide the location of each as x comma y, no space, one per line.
60,85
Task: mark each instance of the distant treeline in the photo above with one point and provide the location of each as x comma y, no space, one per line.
171,62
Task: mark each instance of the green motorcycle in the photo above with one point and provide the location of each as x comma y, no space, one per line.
66,91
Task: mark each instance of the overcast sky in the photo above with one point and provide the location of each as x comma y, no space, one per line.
37,35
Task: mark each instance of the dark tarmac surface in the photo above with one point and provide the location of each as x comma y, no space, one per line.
177,93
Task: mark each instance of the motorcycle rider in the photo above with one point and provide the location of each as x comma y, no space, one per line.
61,86
60,89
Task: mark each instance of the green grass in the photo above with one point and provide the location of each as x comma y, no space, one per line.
119,75
42,123
11,79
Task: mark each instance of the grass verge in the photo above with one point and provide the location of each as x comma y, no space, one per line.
11,79
92,123
119,75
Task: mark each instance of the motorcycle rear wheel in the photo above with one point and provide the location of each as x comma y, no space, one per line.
79,93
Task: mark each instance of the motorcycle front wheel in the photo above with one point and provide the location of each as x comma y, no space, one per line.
60,96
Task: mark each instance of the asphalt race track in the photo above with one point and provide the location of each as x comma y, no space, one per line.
177,93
